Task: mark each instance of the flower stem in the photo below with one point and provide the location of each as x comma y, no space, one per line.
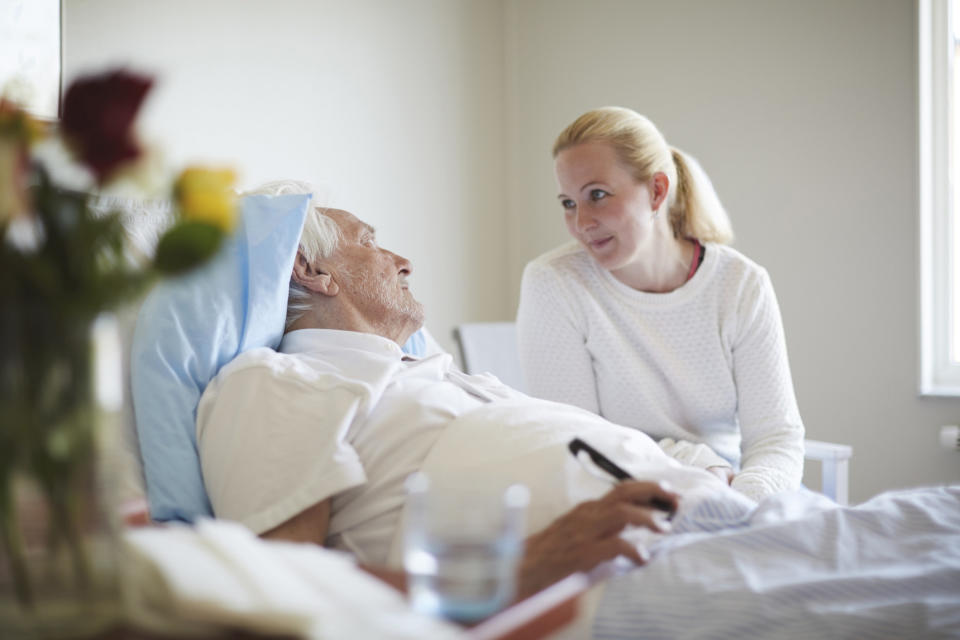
66,515
13,546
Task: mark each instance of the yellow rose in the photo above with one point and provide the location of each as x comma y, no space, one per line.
206,195
17,132
17,123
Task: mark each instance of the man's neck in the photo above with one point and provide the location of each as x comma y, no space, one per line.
343,320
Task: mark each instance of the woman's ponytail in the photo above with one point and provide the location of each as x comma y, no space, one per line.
696,211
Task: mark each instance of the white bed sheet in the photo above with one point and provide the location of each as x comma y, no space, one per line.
795,566
798,566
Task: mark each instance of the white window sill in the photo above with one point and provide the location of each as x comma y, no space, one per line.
940,391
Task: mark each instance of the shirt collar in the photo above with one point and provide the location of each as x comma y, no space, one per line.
313,340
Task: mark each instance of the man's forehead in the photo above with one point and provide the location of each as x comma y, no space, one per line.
349,222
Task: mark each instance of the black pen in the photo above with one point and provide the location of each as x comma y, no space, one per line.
577,445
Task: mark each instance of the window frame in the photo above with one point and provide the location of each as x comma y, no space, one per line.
939,375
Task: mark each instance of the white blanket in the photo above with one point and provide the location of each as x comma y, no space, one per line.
798,566
525,442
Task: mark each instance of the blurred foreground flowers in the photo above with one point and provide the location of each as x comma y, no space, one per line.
63,263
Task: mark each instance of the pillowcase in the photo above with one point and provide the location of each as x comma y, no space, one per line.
416,345
189,327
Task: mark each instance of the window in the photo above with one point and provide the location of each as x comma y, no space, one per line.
30,54
939,74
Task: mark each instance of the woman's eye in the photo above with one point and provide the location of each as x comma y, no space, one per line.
598,194
568,204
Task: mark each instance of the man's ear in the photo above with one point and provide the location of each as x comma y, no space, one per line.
313,277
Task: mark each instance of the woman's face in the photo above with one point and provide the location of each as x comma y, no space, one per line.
605,208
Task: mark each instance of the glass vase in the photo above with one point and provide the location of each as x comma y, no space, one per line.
58,538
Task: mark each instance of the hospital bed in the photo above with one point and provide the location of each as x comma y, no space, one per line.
492,347
928,512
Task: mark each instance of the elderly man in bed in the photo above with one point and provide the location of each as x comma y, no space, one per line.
313,442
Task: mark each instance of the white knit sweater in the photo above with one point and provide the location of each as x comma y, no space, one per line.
706,362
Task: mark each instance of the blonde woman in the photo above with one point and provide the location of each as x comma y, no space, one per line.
648,318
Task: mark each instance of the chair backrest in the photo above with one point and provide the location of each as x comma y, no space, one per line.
491,347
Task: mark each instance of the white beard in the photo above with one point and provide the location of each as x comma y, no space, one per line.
390,306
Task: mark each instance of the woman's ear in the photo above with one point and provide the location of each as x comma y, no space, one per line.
313,277
659,187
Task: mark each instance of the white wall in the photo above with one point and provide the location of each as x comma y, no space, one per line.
433,119
804,115
395,106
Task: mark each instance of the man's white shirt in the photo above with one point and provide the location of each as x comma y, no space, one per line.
334,413
338,414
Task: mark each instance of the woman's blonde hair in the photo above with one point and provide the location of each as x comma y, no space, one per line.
694,208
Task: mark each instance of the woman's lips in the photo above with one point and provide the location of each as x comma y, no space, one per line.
600,243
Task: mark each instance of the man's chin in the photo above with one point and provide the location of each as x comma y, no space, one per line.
416,315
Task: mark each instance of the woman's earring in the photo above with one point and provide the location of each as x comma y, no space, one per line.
656,212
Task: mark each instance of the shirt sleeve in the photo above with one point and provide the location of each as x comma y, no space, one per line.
273,444
770,425
553,354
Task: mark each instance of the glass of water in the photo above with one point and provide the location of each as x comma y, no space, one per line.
462,548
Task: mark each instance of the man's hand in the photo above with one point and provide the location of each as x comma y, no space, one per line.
590,533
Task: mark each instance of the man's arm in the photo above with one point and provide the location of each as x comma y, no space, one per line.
579,540
310,525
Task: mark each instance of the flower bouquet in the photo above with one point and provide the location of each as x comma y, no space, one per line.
63,264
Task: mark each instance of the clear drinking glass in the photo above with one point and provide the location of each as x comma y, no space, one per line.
462,548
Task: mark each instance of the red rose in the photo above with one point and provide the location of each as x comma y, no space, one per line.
98,114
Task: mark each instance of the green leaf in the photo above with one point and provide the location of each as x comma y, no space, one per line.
187,245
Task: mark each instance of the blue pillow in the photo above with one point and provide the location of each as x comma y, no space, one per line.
189,327
417,344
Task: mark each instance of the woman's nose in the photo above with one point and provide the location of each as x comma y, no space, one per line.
584,218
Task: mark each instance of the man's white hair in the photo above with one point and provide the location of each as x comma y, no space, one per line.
319,238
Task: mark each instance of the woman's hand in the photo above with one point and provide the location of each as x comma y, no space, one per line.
589,534
724,473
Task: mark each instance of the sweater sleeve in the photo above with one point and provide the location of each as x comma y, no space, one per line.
770,424
553,354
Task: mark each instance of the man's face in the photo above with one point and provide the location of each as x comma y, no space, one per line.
374,279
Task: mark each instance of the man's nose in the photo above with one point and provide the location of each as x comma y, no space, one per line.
403,265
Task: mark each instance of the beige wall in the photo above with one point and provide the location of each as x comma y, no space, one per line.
396,107
804,115
433,120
